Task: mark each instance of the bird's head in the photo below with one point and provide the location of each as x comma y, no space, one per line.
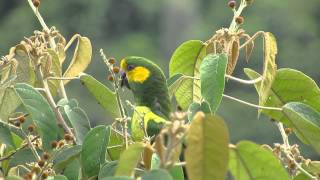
137,70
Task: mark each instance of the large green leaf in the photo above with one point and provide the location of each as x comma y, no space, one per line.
116,145
157,174
94,149
79,121
249,161
289,85
5,136
174,83
212,72
207,148
41,113
196,107
25,72
269,66
54,71
72,171
108,169
117,178
103,94
65,156
81,57
176,172
129,160
304,120
186,60
9,103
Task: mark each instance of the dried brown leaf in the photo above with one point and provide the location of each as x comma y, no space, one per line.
233,56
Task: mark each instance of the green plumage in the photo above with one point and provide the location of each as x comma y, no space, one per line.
151,98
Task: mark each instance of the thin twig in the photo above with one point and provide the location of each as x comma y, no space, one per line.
33,149
287,151
180,164
124,119
254,81
251,104
20,148
234,26
63,78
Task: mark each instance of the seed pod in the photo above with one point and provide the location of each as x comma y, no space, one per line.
239,20
41,163
44,175
60,144
22,119
31,128
110,78
288,131
116,70
54,144
112,60
45,156
36,3
232,4
68,137
17,123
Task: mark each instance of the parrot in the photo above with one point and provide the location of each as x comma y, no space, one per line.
148,84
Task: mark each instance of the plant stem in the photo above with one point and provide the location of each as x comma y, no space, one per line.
33,149
62,78
234,26
62,90
45,85
251,104
124,119
287,151
254,81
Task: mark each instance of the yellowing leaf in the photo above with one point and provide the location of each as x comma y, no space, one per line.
269,67
81,58
207,148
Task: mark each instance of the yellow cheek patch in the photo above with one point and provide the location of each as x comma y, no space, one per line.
138,74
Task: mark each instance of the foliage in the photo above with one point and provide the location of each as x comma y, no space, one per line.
46,135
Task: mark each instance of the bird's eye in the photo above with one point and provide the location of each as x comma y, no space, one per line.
130,67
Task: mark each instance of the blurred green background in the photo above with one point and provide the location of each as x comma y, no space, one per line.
153,29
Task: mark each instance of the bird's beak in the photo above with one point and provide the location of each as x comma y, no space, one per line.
124,79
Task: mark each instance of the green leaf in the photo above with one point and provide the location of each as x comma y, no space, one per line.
72,171
9,103
304,120
174,83
186,60
21,157
129,160
269,67
14,178
108,169
301,176
79,121
250,161
207,148
58,177
116,145
5,136
157,174
41,113
196,107
212,72
81,57
176,173
117,178
289,85
65,156
103,94
94,149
